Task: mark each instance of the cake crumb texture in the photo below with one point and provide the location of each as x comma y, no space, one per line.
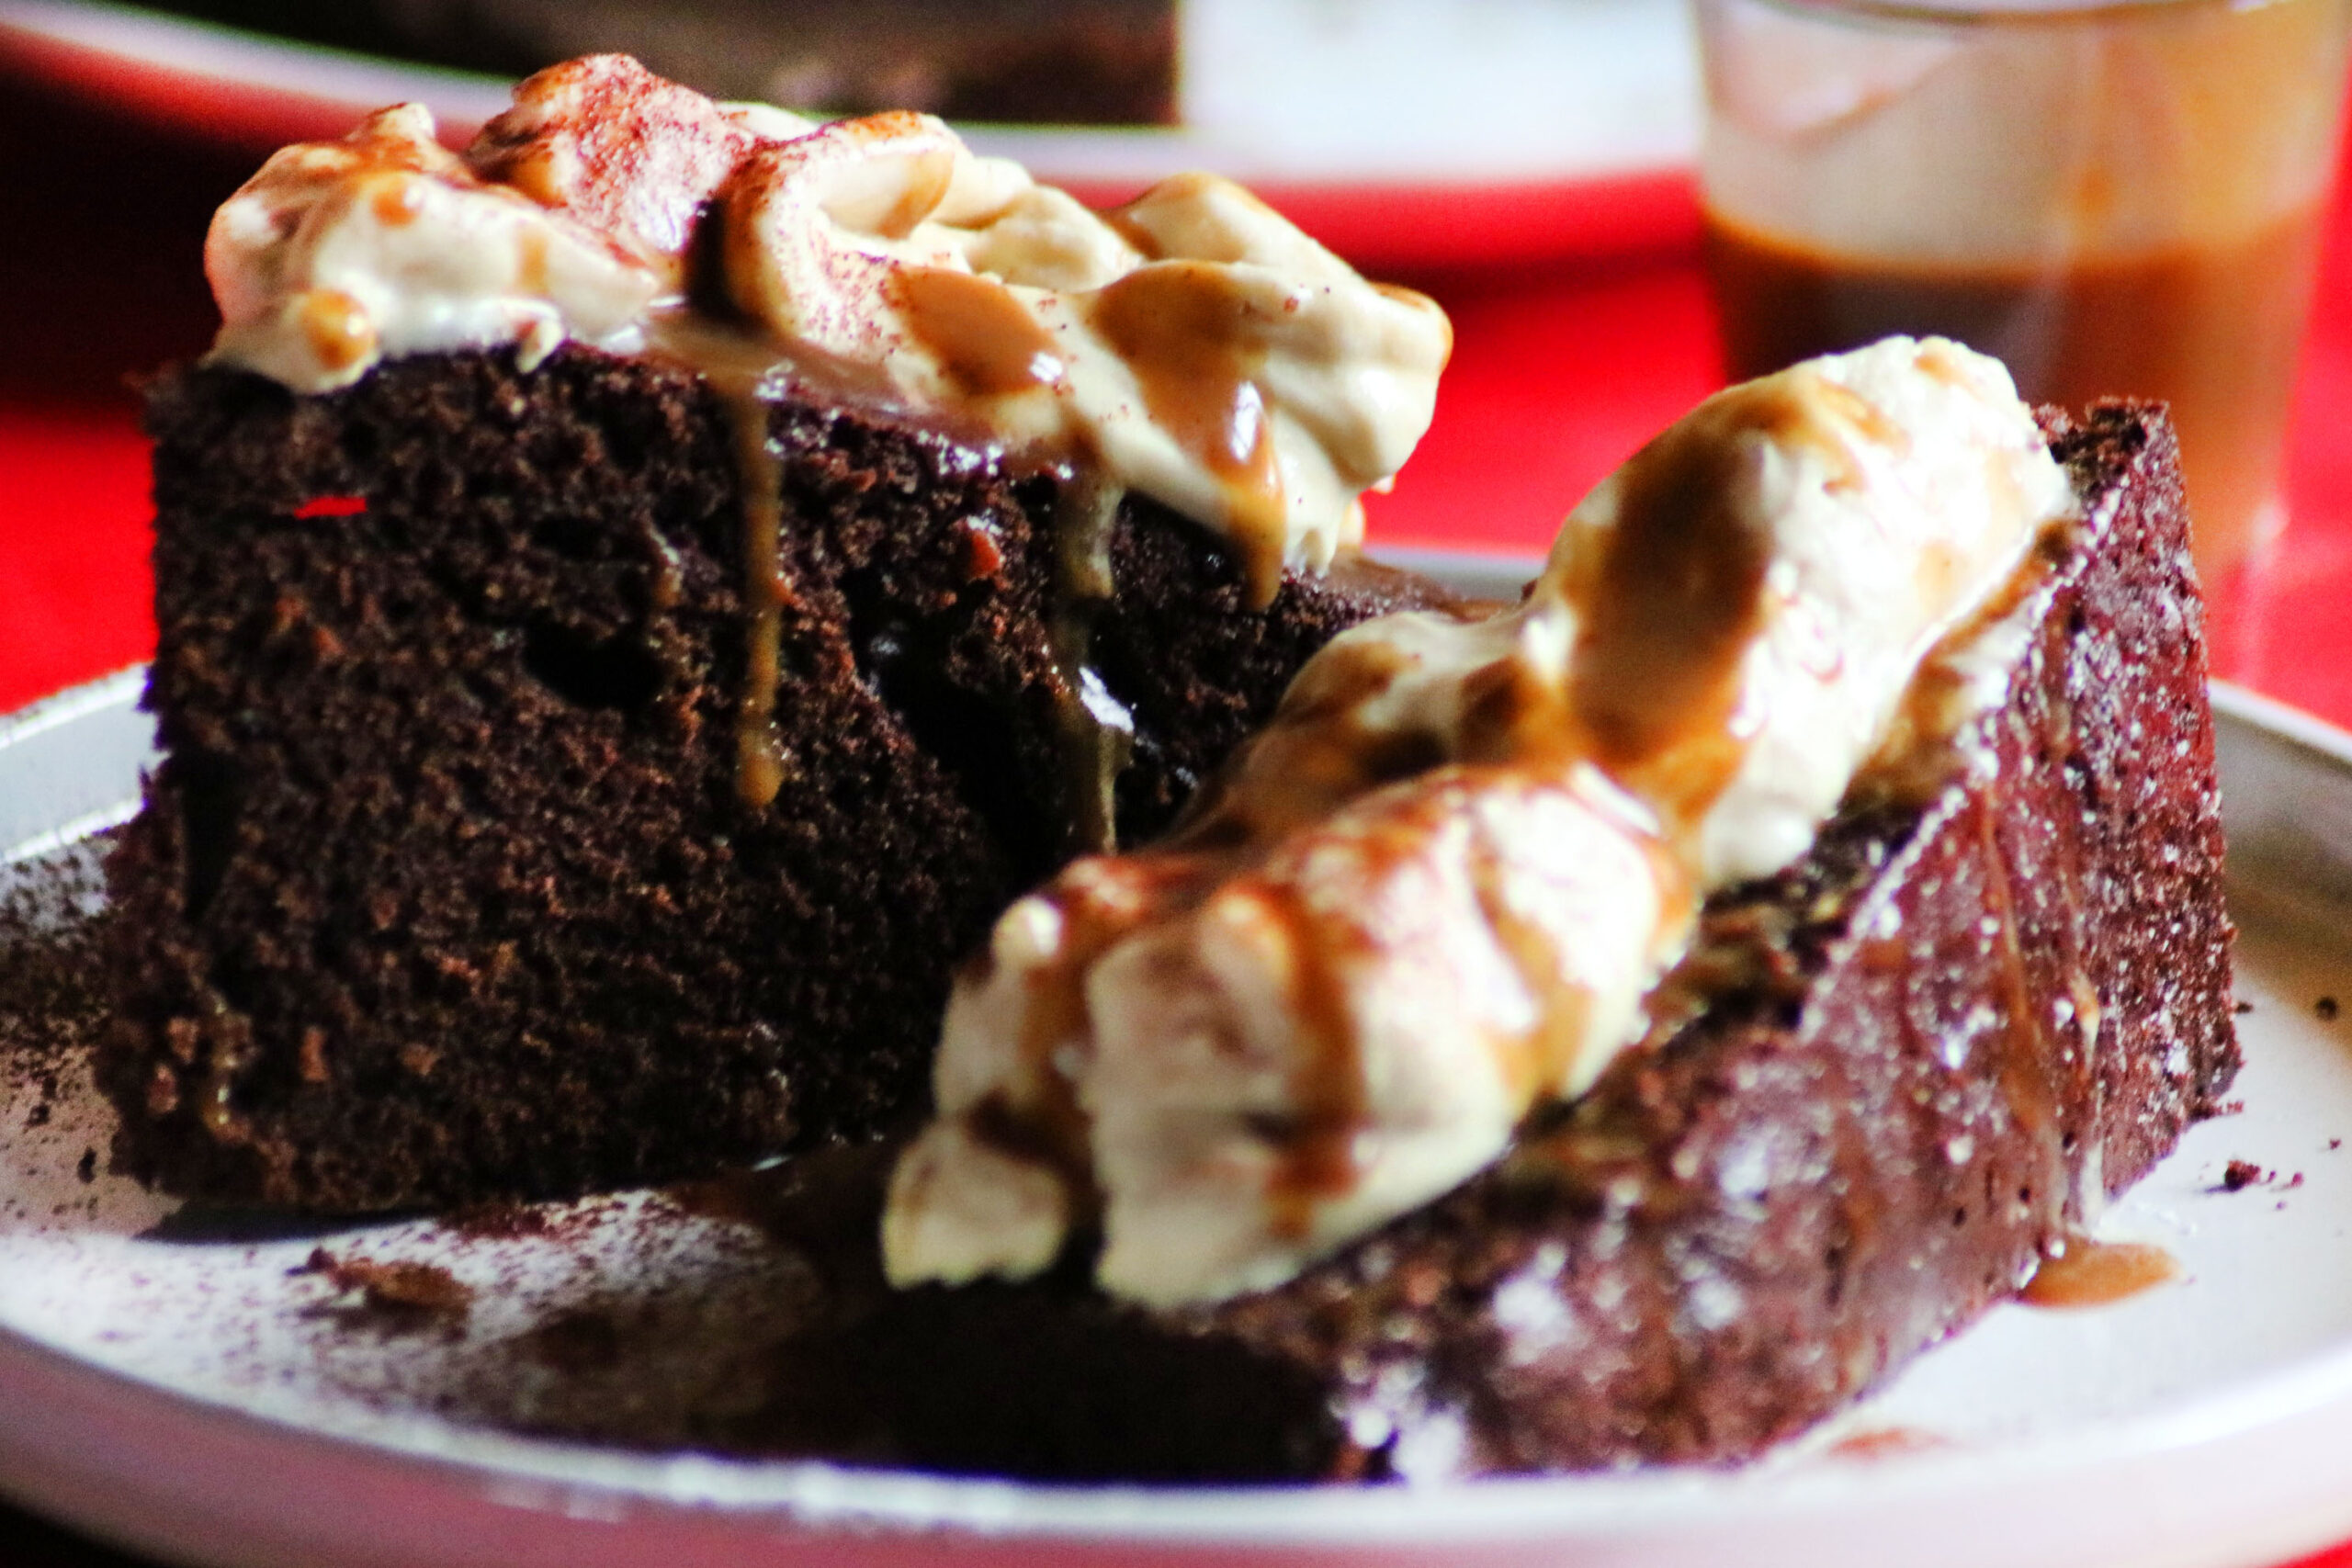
445,892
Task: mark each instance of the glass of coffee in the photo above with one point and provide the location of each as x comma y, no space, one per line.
2121,200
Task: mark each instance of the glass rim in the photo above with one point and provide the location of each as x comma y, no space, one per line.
1955,14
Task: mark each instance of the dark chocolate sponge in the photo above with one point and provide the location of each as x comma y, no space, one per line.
1926,1056
445,891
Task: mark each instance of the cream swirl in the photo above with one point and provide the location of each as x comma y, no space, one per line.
1194,345
1436,889
337,254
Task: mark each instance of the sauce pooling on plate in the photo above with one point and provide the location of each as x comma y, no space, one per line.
2099,1273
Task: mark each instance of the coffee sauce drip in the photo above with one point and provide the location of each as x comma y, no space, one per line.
761,761
1095,731
744,376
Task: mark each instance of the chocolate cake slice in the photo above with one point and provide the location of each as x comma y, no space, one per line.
446,886
1883,1086
635,600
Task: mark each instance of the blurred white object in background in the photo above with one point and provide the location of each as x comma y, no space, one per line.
1417,86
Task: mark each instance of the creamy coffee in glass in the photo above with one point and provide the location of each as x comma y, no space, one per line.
2118,200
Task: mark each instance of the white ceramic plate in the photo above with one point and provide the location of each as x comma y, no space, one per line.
205,1398
1400,132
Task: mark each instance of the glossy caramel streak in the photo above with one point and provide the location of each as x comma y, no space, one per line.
2027,1063
1671,601
337,328
1319,1138
985,342
1314,756
1188,336
1096,738
1537,1065
760,756
1513,712
532,273
2099,1273
395,203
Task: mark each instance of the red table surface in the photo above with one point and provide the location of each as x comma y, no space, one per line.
1558,374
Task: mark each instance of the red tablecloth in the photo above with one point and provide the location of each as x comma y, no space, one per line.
1559,373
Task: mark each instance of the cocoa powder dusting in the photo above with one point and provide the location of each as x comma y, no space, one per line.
51,1004
758,1351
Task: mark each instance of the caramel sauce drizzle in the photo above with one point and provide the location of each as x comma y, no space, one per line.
1670,605
745,375
1317,1141
1563,1007
761,762
216,1106
1038,1117
1096,736
2099,1273
337,328
1310,758
966,313
2027,1063
989,346
395,202
1182,328
985,342
534,263
1669,610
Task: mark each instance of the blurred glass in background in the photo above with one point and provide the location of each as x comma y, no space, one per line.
2123,200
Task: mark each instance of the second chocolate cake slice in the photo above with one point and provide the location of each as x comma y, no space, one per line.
1880,1087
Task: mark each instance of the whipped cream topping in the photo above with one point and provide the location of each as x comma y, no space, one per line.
1194,345
1435,892
337,254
